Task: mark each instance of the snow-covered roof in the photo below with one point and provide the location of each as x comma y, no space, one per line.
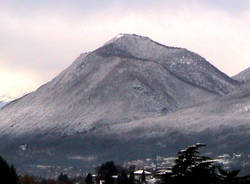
164,171
141,171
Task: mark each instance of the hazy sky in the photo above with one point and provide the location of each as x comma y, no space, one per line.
38,39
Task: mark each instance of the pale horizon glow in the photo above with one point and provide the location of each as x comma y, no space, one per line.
39,40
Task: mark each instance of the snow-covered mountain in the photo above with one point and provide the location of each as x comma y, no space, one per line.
131,77
2,104
243,76
131,97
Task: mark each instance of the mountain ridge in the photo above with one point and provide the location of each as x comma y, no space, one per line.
243,76
131,45
2,104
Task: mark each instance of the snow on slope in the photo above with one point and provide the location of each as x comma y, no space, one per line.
182,63
230,111
243,76
2,104
129,78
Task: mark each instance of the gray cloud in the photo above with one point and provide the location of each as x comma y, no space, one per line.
82,7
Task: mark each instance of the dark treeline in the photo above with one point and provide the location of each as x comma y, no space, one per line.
7,173
189,167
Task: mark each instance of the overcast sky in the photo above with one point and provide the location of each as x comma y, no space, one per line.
38,39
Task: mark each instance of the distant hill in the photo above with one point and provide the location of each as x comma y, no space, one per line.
243,76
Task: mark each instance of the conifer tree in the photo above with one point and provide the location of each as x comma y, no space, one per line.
132,177
123,178
63,178
190,166
143,177
8,174
89,179
106,171
229,177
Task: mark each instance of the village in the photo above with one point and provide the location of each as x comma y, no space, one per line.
190,166
140,176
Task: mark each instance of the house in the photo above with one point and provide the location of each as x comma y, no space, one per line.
99,181
139,174
163,174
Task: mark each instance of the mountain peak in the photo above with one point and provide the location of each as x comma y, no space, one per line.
125,37
136,46
185,65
